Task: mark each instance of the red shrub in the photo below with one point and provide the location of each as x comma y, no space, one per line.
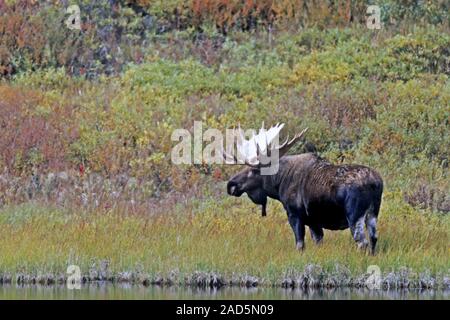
30,139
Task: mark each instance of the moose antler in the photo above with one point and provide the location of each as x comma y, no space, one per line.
242,148
284,148
261,145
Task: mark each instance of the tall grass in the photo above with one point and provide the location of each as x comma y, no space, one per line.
86,121
224,236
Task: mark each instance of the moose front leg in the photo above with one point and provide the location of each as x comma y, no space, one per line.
300,237
299,229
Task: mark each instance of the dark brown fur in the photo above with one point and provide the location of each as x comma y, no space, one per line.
318,194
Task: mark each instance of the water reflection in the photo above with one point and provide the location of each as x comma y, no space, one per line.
128,291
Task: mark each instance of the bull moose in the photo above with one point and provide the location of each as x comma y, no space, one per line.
314,192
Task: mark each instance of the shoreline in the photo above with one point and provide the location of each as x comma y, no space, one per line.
209,280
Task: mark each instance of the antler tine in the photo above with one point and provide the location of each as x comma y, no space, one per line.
258,153
267,144
286,146
303,132
284,143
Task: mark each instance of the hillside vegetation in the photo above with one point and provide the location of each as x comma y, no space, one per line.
86,118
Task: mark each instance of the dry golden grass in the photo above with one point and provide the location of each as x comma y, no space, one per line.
226,236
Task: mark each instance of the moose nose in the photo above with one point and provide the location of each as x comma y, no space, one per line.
231,188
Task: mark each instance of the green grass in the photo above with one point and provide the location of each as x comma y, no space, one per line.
226,237
377,99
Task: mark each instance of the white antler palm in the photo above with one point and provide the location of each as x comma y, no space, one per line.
258,144
262,144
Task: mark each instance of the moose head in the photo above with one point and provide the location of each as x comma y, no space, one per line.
258,152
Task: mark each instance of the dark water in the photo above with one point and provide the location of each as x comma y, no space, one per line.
125,291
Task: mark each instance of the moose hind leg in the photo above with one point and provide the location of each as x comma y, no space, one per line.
356,212
358,234
299,229
371,225
316,234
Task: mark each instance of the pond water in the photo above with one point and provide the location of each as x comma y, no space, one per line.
127,291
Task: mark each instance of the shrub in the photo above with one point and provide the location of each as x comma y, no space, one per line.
36,131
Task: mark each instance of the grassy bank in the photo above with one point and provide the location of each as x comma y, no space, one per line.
214,242
86,120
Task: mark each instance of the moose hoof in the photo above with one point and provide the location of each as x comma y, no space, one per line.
300,246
